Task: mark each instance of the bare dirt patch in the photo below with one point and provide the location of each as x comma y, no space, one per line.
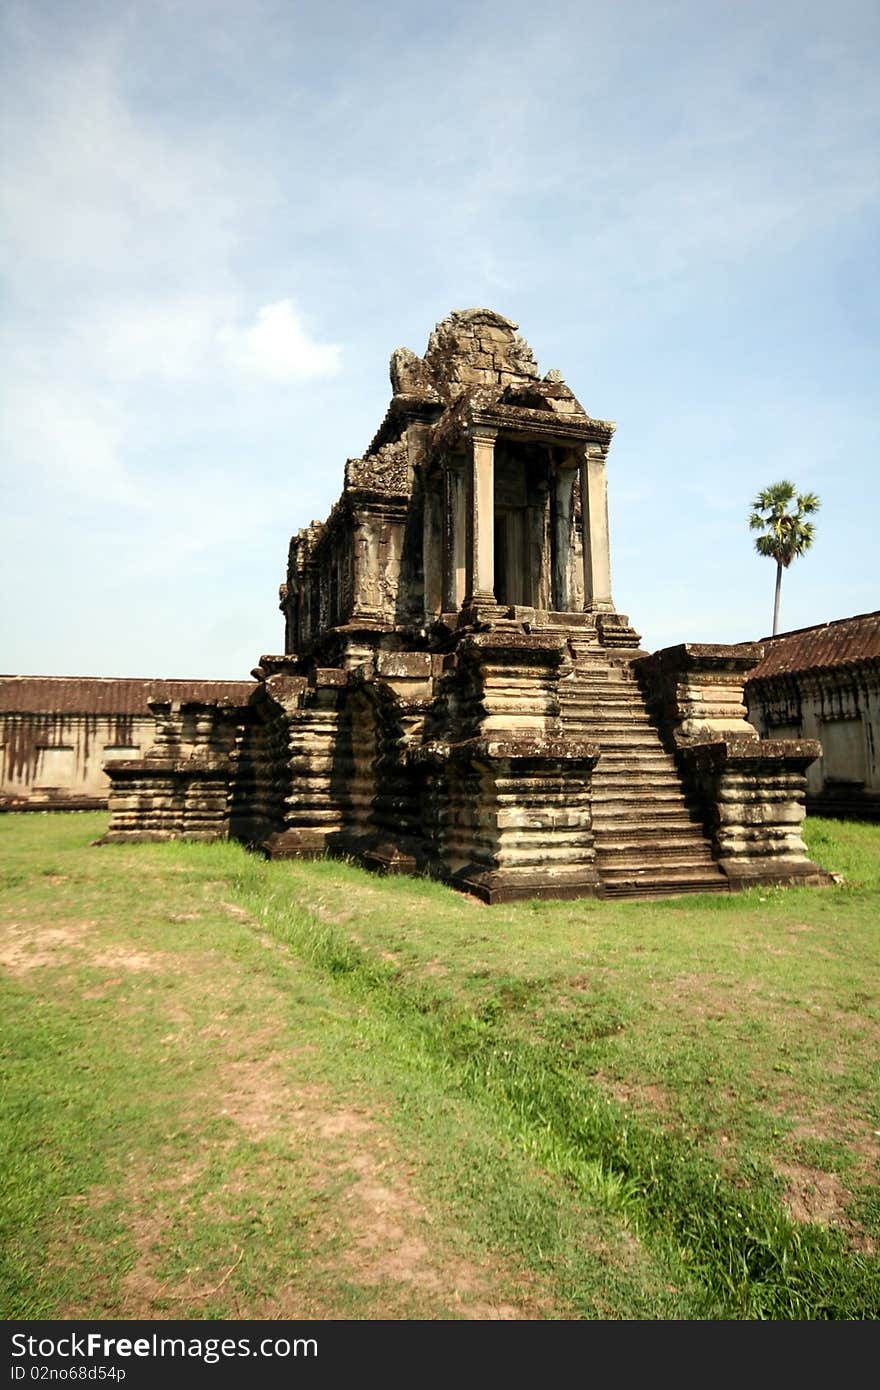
24,948
233,910
392,1242
367,1223
386,1227
813,1195
258,1099
643,1095
703,996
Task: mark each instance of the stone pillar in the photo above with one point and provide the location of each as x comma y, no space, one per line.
597,555
540,567
365,545
481,518
433,569
454,536
563,491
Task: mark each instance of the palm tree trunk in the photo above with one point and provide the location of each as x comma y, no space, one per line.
776,598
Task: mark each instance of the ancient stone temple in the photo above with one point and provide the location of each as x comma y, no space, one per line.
458,694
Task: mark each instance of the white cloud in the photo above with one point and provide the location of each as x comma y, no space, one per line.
278,346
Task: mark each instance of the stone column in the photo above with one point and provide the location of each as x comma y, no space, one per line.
597,555
433,570
563,492
481,518
365,547
454,535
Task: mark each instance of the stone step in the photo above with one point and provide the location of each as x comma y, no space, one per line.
619,867
630,792
628,748
641,859
589,713
620,740
602,715
603,690
642,787
642,808
647,759
666,817
632,829
638,768
654,759
589,707
636,879
613,870
619,754
596,679
612,732
636,861
600,695
625,799
588,719
612,679
651,887
608,719
646,839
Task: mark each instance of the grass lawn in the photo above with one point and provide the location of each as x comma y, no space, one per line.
234,1089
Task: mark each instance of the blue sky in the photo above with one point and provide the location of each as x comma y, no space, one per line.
218,219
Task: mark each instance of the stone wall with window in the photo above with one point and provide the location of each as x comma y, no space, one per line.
823,683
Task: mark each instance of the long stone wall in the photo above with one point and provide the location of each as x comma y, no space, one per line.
58,733
840,708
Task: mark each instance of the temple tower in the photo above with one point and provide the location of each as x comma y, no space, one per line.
482,494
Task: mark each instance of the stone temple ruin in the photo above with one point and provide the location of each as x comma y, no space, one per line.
458,695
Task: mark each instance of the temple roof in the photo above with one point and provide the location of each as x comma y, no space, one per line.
469,348
844,642
477,364
108,695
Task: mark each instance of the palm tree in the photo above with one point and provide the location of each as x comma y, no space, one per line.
779,512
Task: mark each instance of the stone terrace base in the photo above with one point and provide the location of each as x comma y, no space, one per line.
515,762
514,812
495,888
777,874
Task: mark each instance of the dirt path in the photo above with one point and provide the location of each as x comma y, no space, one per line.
275,1154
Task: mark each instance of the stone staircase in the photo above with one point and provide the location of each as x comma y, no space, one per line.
649,842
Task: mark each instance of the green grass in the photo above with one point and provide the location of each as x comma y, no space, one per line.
655,1110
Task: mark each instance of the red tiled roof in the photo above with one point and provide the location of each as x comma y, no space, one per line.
841,643
105,695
